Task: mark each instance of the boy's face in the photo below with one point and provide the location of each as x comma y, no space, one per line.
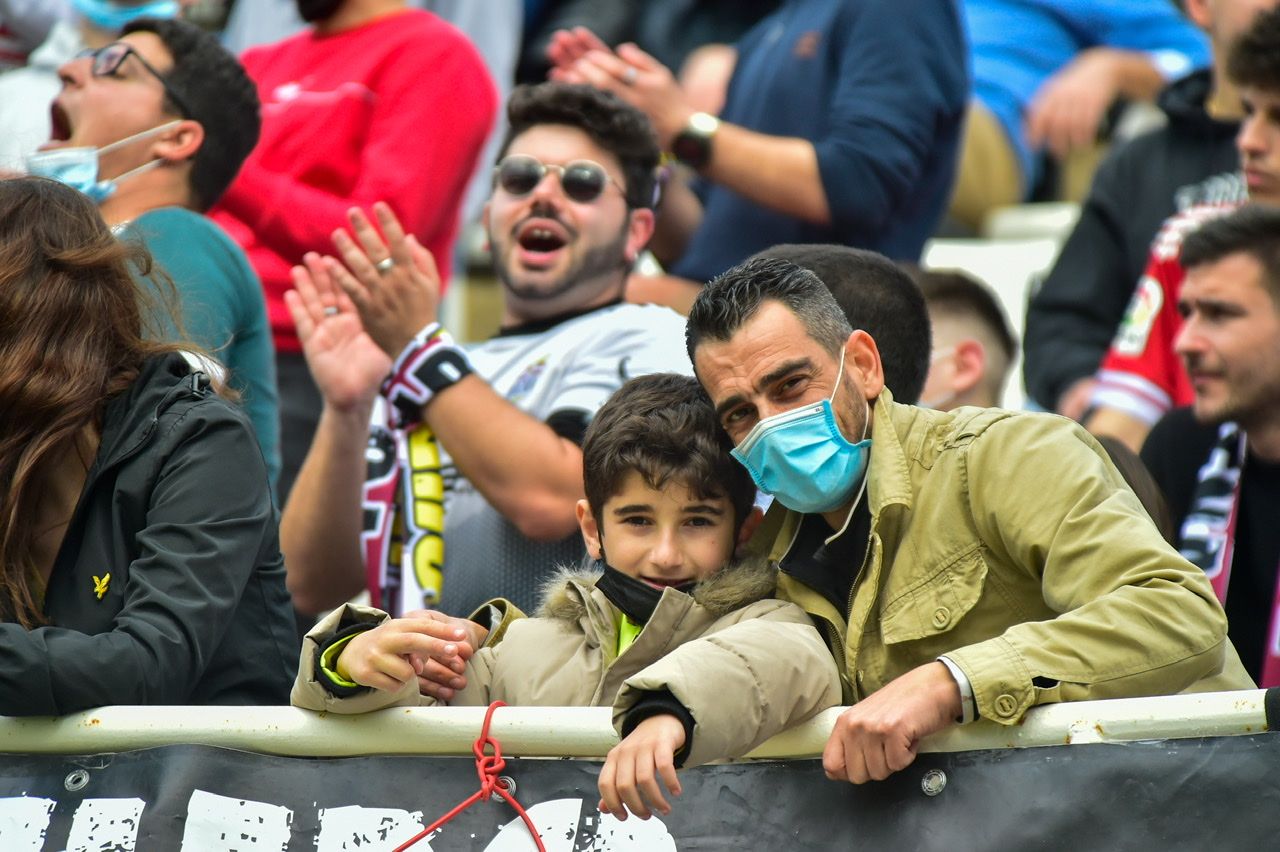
662,537
1259,143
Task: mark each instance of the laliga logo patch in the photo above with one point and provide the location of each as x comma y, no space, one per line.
526,380
1139,318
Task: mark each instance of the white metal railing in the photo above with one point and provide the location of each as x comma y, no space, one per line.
586,731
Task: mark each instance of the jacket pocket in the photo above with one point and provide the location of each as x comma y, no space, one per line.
935,604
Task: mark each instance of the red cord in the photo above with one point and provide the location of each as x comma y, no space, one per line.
487,767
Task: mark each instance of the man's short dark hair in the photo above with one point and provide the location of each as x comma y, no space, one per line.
1253,230
1254,58
221,98
878,298
617,127
663,426
956,292
732,298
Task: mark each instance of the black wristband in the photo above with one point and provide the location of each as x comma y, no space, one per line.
429,364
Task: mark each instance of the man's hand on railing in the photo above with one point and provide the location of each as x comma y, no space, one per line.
880,734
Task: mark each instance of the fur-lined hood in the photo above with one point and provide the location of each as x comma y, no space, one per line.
741,583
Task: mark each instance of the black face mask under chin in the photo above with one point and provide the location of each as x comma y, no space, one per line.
636,598
317,10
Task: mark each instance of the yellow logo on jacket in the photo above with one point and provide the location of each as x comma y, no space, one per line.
100,585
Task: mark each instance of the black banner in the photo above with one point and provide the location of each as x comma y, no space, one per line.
1219,793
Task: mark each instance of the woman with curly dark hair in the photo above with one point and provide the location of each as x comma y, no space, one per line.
139,561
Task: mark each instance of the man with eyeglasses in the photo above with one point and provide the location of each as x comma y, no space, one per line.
485,438
153,127
25,91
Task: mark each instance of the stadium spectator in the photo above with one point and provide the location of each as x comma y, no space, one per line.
1141,377
841,125
374,101
1045,74
973,346
1219,460
696,657
482,444
154,127
1192,160
953,582
138,546
25,92
885,303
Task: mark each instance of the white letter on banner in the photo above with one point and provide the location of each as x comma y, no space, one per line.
558,823
105,824
357,829
23,823
221,824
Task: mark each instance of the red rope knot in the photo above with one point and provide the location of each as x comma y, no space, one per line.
488,766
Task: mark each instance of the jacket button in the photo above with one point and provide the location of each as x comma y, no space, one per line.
1006,706
941,617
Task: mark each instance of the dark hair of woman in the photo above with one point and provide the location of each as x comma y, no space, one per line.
71,337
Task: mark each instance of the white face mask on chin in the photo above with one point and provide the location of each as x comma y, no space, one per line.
78,167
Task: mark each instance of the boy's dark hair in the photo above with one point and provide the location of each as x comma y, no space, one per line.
956,292
878,298
221,97
733,297
618,127
1254,59
663,426
1253,230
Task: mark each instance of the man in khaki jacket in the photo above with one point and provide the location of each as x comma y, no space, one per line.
970,564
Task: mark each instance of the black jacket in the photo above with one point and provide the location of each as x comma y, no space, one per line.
1074,315
176,508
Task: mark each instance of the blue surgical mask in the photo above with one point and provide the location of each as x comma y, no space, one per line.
78,167
112,16
802,458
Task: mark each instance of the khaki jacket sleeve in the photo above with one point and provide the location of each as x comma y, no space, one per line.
1135,618
310,694
756,672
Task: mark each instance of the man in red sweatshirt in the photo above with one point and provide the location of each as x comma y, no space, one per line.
376,101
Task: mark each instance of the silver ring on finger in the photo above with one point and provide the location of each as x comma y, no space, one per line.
629,76
384,266
331,311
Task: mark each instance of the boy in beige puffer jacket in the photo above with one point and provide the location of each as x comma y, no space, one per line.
696,657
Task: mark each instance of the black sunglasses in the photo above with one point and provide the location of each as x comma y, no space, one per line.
582,180
108,59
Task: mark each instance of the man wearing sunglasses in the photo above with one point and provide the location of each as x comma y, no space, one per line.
153,127
571,209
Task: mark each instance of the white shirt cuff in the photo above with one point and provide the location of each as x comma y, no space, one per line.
968,707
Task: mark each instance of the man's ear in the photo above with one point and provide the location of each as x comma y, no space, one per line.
590,529
640,224
862,356
180,142
970,365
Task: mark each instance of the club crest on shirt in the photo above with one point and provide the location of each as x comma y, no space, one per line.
1139,317
527,379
